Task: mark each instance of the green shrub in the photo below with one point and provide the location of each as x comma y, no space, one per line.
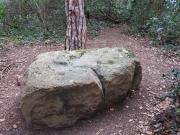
33,19
117,10
174,88
2,13
174,93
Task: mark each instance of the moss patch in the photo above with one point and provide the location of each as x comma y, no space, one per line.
111,62
72,57
130,54
82,52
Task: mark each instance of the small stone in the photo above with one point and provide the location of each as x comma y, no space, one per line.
112,109
1,120
14,126
120,131
158,125
149,132
130,120
101,130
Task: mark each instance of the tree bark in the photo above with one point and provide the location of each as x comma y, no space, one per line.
76,25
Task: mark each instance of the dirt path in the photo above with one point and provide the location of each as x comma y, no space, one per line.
121,119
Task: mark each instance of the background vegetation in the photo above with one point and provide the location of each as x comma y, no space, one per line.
24,20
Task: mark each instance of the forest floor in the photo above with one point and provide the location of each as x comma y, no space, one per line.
130,117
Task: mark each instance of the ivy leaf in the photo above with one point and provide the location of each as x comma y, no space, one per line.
178,111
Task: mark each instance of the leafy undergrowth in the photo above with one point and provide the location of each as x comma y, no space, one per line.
170,50
166,120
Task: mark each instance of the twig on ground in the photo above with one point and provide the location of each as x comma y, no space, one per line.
4,69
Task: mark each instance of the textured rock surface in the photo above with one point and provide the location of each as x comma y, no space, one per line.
62,87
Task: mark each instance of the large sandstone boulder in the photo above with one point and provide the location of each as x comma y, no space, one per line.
62,87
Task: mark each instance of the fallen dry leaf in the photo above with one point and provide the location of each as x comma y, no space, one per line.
1,120
149,133
130,120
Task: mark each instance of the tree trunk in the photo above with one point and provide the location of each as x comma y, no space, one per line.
76,25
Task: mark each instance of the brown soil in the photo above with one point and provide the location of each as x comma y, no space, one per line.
124,118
